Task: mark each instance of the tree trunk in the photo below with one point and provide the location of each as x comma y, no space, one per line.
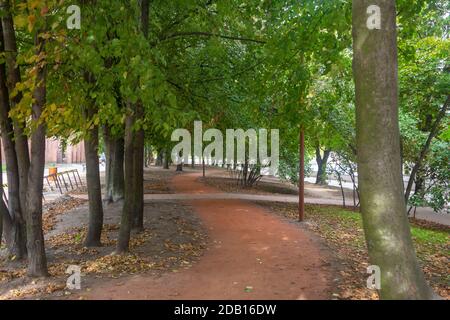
21,141
109,150
94,232
132,213
37,260
3,207
117,171
147,155
301,176
5,218
341,187
420,183
203,167
166,159
159,159
127,211
321,178
16,240
7,224
383,206
138,176
139,141
114,167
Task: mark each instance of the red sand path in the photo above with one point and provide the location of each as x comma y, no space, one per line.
249,248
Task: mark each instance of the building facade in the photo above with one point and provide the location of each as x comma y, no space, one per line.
55,153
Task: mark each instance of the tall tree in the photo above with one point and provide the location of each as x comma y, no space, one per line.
138,176
127,211
37,260
321,177
15,231
425,149
21,141
139,142
94,233
114,149
383,206
3,208
132,212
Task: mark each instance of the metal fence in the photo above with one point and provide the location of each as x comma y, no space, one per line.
66,180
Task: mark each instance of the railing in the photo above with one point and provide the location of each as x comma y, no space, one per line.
60,181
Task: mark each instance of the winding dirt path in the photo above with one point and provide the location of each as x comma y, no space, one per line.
252,254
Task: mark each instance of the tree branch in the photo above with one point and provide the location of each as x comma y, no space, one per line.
210,34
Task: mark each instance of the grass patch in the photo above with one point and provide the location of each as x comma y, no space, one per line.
430,237
342,230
